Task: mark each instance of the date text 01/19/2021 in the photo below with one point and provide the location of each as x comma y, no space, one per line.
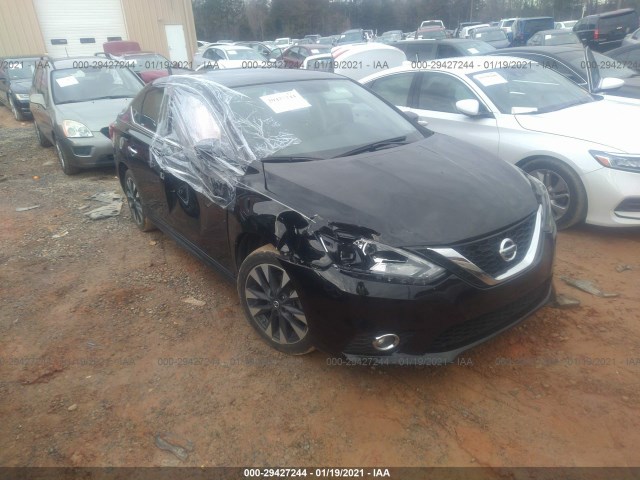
317,472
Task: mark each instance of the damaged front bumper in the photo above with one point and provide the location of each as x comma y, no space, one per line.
433,324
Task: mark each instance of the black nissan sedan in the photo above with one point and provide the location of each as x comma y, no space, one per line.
346,225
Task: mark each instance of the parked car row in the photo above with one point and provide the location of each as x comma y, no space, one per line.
401,220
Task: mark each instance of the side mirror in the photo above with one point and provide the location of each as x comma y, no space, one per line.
469,107
610,83
37,98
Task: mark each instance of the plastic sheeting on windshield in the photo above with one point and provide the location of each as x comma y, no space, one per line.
209,134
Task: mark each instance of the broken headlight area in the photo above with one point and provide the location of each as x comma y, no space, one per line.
380,262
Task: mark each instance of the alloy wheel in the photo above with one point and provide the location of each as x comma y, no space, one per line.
274,304
134,201
558,190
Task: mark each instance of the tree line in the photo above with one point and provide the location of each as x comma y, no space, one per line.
268,19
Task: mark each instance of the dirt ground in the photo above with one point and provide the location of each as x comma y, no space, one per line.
99,354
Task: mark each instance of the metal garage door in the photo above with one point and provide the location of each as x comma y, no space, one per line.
79,27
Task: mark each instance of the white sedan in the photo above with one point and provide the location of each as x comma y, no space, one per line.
585,148
218,56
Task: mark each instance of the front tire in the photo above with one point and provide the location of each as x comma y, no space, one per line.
42,140
271,304
64,162
135,203
566,191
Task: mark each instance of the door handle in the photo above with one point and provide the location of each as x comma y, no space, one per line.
132,150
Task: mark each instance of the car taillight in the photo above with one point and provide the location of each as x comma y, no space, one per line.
596,34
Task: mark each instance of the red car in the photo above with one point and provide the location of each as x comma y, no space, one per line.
147,65
294,56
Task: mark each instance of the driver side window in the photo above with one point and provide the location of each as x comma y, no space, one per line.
394,88
440,92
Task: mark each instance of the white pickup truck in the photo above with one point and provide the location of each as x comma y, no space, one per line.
432,23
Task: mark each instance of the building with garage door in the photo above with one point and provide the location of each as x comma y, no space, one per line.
63,28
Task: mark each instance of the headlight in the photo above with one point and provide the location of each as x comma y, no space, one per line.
381,262
22,96
73,129
548,222
630,163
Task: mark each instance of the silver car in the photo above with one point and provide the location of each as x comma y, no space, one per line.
73,102
581,146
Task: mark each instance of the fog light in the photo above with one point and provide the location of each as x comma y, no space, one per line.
386,342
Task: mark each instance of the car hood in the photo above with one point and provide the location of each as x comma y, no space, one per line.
433,192
607,122
20,86
96,114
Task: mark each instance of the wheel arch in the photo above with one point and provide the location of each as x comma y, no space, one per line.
566,164
122,170
248,242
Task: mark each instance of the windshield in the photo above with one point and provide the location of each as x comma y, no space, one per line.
73,85
351,37
569,24
529,90
317,49
490,35
328,117
607,66
564,38
21,69
244,54
508,23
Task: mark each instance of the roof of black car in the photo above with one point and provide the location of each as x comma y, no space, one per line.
613,13
238,77
544,49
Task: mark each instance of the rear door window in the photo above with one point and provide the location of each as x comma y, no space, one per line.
419,52
150,112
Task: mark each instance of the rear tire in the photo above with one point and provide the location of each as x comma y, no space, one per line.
566,191
271,304
135,203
